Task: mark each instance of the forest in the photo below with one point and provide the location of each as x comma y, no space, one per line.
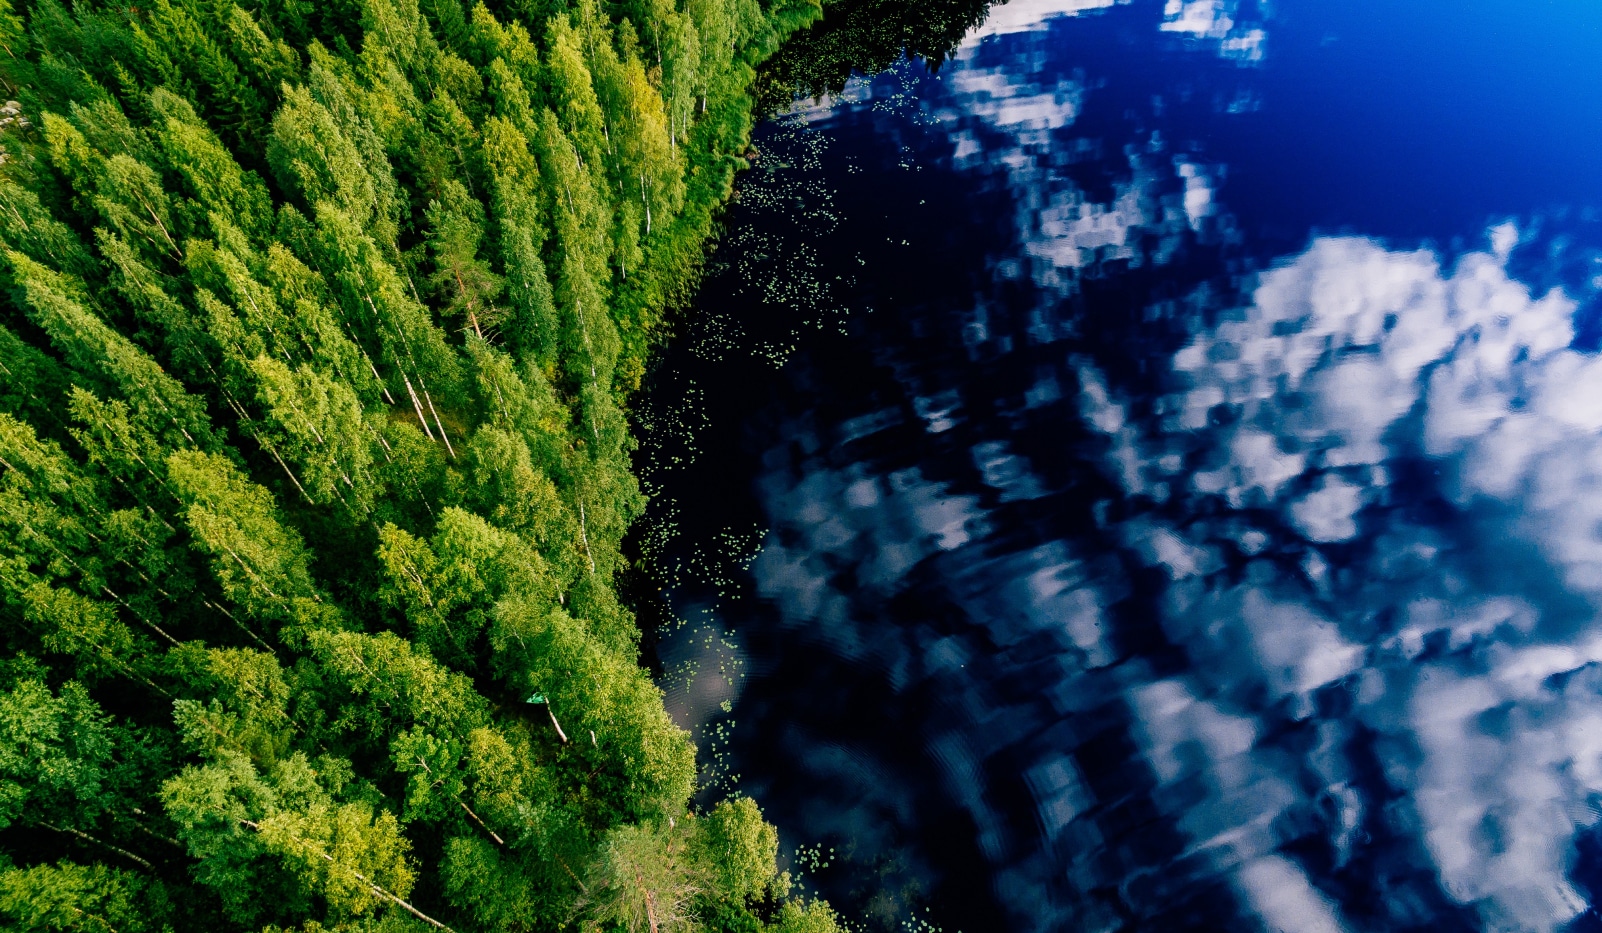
318,325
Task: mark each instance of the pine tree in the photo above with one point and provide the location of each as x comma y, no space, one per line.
93,348
261,566
644,881
215,182
466,287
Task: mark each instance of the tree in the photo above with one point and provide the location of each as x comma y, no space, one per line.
499,890
316,423
121,191
507,488
82,899
240,702
306,299
467,288
159,402
643,764
370,291
572,94
261,565
531,327
27,226
47,510
644,166
311,156
145,290
88,631
807,917
644,880
269,61
334,84
214,179
254,831
739,848
54,751
448,140
34,382
384,682
195,58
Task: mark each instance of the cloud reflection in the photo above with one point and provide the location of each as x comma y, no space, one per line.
1010,106
1030,16
1214,21
1351,359
1412,693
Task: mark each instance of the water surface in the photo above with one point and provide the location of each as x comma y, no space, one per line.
1146,474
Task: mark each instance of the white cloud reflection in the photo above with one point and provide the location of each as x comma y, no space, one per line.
1263,488
1030,16
1006,105
1214,21
1348,359
1011,108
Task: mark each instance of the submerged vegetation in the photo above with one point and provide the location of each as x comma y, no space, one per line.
318,319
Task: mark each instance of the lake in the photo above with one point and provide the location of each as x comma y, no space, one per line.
1143,471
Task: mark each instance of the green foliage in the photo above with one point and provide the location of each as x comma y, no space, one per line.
807,917
54,749
644,880
317,325
68,897
741,846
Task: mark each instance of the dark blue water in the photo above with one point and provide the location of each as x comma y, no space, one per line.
1147,474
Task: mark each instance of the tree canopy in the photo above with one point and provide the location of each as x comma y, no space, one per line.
317,322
